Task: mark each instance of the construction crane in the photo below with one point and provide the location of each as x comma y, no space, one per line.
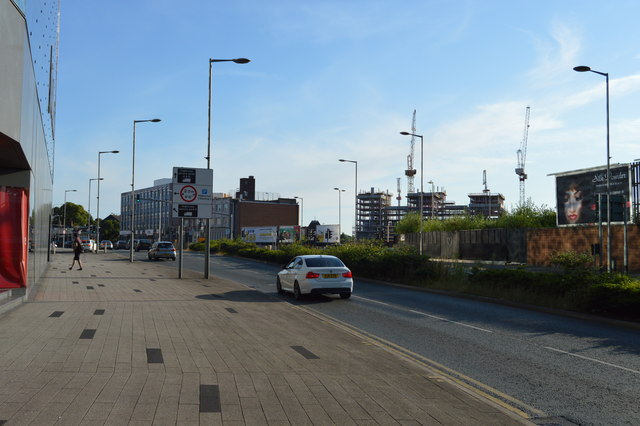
411,172
522,156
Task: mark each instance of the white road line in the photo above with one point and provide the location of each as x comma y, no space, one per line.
454,322
426,315
592,359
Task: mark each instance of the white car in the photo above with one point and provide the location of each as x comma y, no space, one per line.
89,246
106,244
315,274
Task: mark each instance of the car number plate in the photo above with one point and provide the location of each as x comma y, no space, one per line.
329,275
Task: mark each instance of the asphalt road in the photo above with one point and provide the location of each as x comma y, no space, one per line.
558,370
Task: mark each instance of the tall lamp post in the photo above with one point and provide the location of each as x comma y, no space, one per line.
64,220
301,209
339,208
89,205
98,200
208,157
421,179
583,68
133,177
355,206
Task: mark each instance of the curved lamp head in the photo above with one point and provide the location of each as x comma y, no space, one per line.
155,120
405,133
242,61
582,68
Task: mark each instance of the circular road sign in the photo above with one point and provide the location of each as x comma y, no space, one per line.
188,194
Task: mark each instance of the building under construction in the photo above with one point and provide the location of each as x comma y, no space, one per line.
377,217
372,216
487,204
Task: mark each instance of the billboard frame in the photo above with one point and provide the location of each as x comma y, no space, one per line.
580,188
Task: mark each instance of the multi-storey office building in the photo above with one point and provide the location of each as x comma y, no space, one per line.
152,218
28,74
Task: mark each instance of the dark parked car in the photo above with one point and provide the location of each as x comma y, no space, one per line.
122,244
143,245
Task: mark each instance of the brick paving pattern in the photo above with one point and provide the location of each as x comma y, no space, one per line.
121,343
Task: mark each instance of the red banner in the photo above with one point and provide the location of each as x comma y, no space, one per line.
14,209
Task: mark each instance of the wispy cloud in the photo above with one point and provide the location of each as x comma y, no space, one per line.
556,54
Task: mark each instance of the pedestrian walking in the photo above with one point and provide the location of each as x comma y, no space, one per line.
77,250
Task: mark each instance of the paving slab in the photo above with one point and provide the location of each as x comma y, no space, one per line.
130,343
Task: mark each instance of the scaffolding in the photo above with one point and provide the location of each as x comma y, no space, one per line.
371,214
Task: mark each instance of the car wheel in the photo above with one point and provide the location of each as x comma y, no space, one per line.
279,286
173,258
345,295
149,257
296,291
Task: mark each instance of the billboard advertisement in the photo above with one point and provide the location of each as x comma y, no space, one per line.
328,234
577,195
259,235
288,234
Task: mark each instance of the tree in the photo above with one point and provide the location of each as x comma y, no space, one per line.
110,230
408,224
76,214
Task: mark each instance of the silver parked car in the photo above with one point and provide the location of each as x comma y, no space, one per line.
315,274
162,250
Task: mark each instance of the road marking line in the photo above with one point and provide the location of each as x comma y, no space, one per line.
426,315
466,383
455,322
592,359
372,301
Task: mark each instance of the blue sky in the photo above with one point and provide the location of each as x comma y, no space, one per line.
340,79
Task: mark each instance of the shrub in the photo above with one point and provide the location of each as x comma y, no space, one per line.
196,246
572,261
619,296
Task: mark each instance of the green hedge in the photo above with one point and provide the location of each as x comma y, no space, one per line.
578,288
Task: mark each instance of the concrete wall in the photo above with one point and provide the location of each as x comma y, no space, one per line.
481,244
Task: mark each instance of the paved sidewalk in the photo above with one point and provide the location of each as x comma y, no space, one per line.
120,343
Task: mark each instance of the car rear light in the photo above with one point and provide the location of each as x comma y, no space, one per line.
312,275
347,274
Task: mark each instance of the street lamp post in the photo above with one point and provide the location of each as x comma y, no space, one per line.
583,68
301,209
208,157
339,208
355,207
133,176
421,179
89,205
98,200
64,220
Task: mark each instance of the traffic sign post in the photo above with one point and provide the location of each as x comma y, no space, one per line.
193,199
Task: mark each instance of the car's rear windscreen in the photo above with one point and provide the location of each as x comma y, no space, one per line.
320,262
165,245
